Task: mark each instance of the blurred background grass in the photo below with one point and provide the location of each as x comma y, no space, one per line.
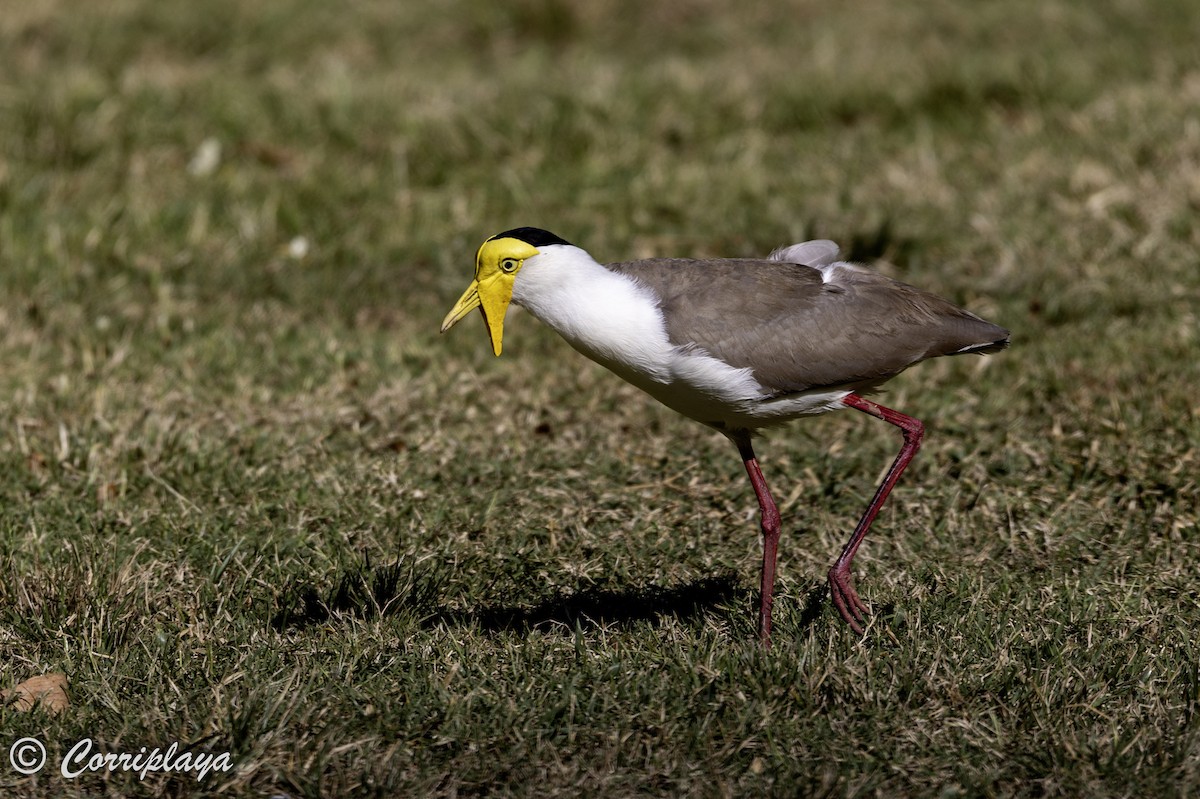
252,501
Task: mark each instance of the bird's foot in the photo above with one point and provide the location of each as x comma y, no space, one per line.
846,599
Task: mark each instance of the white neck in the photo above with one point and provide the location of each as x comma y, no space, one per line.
606,316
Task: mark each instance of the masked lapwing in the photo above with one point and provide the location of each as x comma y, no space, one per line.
738,344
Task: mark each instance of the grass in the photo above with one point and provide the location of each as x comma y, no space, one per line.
252,502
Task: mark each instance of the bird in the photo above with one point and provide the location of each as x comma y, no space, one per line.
738,344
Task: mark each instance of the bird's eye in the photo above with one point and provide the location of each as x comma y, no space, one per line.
509,265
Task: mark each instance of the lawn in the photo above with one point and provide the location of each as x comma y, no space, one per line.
252,503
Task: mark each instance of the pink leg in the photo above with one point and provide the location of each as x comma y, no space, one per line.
841,585
770,528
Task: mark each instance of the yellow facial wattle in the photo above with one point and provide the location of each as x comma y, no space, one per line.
496,267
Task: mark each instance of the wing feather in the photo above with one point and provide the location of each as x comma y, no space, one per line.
801,328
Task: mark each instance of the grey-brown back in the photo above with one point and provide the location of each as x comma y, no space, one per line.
798,331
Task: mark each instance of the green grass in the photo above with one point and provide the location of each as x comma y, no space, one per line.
253,502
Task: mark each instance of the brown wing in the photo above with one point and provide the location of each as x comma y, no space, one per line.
799,332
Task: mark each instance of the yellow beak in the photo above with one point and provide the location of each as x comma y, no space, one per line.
492,297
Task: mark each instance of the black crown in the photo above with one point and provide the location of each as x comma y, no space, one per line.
534,237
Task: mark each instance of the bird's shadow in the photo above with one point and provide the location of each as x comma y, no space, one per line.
602,606
814,604
370,592
407,589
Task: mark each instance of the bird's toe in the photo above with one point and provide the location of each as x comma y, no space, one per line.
847,601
